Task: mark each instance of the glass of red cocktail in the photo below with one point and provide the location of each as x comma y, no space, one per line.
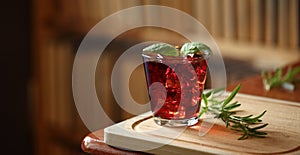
175,86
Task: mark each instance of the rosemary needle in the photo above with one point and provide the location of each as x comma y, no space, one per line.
225,110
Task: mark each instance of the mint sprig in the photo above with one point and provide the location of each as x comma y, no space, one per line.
161,48
225,110
195,48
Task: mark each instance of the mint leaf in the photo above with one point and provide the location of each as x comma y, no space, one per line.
162,48
195,48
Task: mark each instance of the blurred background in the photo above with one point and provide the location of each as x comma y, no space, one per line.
41,37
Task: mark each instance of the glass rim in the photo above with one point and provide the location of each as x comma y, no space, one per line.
157,56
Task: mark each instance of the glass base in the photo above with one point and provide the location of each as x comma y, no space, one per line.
176,123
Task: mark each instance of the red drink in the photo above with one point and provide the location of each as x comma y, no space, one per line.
175,87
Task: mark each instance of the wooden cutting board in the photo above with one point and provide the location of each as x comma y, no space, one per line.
210,136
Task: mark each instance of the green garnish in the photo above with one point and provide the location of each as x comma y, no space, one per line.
225,110
162,48
194,48
277,78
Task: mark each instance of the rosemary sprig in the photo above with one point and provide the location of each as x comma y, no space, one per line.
225,110
277,78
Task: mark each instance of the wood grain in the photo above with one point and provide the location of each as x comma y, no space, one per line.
142,134
93,143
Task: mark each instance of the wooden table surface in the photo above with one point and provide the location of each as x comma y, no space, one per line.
93,143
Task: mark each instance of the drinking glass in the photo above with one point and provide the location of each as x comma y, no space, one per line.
175,86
